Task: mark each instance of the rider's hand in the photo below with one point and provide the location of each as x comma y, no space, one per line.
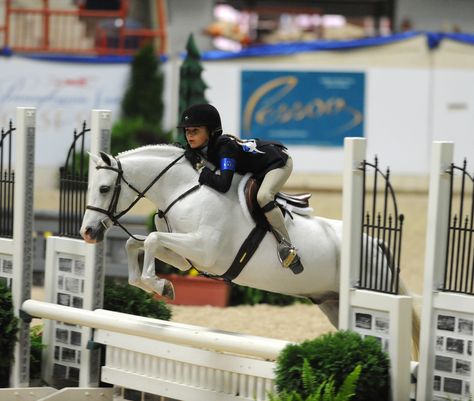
193,157
204,176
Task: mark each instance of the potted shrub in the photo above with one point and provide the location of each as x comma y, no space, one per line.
326,391
335,355
192,289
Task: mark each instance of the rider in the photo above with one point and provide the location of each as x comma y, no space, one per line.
269,162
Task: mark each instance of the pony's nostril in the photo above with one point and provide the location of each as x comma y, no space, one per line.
88,230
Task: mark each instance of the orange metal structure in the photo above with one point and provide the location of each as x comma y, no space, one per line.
78,30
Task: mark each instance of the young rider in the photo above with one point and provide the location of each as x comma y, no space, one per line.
267,161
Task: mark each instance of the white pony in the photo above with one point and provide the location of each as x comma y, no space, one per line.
206,228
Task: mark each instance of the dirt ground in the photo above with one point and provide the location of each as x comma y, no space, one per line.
299,322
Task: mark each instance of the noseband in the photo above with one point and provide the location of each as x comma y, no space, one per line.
111,211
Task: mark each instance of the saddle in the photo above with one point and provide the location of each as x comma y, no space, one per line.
288,203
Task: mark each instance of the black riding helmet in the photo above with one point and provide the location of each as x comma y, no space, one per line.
202,115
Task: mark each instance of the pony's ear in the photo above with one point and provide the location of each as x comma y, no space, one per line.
106,158
95,159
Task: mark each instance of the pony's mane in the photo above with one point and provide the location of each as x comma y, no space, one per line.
153,150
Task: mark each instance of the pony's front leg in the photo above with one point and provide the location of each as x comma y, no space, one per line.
153,249
199,247
133,247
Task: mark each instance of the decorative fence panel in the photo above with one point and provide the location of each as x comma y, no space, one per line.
7,190
381,232
16,226
74,270
370,256
447,330
7,182
73,178
459,273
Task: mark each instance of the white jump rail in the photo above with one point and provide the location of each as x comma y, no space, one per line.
174,360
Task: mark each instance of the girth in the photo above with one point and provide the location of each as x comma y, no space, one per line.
257,234
245,252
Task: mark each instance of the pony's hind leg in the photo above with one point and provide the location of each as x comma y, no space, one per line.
331,310
329,305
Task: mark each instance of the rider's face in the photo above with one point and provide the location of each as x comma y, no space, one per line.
196,136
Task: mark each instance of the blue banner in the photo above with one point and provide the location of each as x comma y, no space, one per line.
302,108
288,48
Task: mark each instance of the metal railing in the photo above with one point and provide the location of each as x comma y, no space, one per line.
73,178
7,182
459,264
78,30
381,234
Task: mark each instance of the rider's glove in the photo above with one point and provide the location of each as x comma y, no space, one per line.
193,157
206,173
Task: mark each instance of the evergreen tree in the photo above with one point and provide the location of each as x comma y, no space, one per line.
191,85
142,105
143,97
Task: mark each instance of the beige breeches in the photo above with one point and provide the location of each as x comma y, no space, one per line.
271,184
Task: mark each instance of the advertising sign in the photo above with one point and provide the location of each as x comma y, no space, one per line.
302,108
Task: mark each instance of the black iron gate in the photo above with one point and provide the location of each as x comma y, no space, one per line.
381,233
73,186
7,182
459,263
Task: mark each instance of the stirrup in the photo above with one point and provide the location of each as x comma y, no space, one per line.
288,257
286,253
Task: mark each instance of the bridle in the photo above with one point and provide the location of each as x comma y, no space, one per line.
111,212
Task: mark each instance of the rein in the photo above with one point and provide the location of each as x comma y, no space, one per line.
111,211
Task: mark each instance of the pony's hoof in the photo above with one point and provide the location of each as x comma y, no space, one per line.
154,285
168,290
140,285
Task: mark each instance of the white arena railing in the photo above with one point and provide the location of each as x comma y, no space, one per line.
174,360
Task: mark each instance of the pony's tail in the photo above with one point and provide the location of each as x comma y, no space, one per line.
415,325
415,320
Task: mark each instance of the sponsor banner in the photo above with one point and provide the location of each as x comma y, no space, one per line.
302,108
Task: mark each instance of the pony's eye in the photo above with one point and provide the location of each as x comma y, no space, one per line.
104,189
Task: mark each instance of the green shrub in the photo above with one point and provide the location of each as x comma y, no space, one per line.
36,349
133,132
191,85
8,330
125,298
326,391
143,95
142,105
336,355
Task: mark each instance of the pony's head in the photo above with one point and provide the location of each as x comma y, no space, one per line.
106,199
